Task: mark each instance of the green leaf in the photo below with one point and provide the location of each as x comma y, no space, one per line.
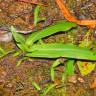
22,46
36,14
64,76
56,50
50,87
70,67
36,85
2,51
6,53
17,37
20,40
17,53
20,61
59,26
85,67
54,65
41,19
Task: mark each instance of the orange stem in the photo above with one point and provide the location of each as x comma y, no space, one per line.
69,17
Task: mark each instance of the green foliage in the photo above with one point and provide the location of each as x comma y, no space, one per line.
17,53
54,50
19,39
71,52
21,60
53,67
2,52
36,15
48,88
70,67
36,86
50,30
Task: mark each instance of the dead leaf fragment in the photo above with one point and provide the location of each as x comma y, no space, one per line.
93,85
81,80
72,79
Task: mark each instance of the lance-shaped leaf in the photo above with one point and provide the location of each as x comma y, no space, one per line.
56,50
36,14
53,67
59,26
18,37
70,67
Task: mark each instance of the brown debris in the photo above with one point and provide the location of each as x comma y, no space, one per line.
2,75
93,85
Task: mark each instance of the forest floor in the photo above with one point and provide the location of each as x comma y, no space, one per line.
18,81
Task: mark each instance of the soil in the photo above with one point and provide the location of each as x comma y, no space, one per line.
17,81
